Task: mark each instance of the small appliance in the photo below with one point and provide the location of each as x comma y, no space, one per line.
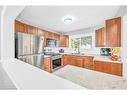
106,51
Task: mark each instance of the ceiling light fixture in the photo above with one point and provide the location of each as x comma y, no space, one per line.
68,19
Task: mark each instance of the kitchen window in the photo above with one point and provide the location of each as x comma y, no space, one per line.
84,42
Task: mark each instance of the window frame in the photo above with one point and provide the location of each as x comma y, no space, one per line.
80,36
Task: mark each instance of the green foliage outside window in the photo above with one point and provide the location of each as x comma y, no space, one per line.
75,42
84,42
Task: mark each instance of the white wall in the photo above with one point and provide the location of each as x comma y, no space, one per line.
88,32
0,28
9,13
124,45
79,33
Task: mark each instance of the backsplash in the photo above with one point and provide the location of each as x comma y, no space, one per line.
95,51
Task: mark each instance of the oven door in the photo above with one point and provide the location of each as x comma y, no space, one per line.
56,64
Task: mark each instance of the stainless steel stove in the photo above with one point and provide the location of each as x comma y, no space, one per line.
56,61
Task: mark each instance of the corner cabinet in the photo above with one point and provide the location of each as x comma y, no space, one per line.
110,36
113,32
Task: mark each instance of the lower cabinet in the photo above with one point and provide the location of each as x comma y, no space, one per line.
79,61
116,69
108,67
47,64
88,63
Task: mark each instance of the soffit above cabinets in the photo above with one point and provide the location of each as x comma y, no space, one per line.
54,18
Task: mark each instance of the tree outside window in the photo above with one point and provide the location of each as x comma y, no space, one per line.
83,42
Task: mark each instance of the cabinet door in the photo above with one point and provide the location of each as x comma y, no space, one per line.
47,64
64,60
116,69
79,62
19,27
64,41
106,67
88,63
100,37
56,36
39,32
98,66
71,60
29,29
113,32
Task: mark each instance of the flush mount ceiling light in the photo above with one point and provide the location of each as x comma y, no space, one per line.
68,19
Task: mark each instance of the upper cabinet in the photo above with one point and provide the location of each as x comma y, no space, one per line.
19,27
110,36
113,32
100,37
64,41
25,28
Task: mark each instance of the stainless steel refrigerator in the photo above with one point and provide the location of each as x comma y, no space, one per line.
29,48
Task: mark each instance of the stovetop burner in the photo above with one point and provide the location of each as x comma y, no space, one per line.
52,54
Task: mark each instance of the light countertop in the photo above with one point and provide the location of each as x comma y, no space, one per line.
25,76
5,82
91,79
45,56
96,57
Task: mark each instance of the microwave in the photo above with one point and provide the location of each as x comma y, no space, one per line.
51,43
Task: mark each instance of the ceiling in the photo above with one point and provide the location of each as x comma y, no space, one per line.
51,17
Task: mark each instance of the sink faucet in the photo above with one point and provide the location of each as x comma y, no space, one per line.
77,50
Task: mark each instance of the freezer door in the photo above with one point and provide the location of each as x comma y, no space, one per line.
26,43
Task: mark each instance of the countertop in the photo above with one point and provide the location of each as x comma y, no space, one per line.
91,79
5,82
96,57
25,76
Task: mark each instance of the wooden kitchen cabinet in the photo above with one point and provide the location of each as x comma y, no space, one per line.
113,32
56,36
98,66
108,67
19,27
70,60
64,41
102,66
64,60
110,36
47,64
39,32
88,62
79,61
116,69
100,37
